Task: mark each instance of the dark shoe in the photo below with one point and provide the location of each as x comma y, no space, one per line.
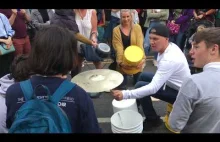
150,124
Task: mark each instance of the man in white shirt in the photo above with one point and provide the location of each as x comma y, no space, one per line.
197,107
165,83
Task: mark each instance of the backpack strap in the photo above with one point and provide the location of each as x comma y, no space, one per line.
27,89
63,89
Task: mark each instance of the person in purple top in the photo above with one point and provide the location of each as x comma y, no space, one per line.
184,22
53,55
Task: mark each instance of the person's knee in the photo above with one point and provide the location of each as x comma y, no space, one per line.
137,85
140,84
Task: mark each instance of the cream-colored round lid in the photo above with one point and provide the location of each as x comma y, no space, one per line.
98,80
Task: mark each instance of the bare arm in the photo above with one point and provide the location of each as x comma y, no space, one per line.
13,16
210,12
103,16
194,14
94,26
26,16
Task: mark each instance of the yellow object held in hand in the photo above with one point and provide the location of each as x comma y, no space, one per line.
133,55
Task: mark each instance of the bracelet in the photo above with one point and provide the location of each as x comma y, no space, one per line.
94,32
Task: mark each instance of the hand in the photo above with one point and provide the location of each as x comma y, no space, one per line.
196,17
23,11
94,38
117,94
14,11
140,65
200,16
127,67
94,44
173,22
8,42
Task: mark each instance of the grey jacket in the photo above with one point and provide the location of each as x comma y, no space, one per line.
197,107
160,16
37,19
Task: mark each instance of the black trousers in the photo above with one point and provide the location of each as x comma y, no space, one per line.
5,63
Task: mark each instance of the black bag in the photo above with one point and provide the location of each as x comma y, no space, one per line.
31,30
89,53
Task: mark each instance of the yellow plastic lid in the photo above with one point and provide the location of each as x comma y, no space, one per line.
133,54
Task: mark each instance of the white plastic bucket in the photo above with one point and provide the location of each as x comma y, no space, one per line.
127,121
129,104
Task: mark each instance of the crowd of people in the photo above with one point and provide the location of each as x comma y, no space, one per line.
55,52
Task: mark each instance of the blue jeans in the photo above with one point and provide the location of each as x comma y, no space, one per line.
168,95
135,77
179,40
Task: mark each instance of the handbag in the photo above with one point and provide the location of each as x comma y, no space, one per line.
174,28
89,53
4,50
3,47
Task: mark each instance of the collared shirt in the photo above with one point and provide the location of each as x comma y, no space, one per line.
5,27
172,70
197,107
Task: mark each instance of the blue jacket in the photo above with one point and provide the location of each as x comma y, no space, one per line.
76,104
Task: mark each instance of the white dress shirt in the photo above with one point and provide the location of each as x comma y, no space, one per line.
172,70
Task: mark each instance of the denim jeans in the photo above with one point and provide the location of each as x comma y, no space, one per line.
168,95
135,77
180,39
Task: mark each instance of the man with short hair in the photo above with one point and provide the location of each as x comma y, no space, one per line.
165,83
197,107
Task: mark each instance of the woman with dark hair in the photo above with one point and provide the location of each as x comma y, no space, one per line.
53,56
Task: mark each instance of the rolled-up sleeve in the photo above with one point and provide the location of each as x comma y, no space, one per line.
8,27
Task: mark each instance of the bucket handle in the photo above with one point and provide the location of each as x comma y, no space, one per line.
120,119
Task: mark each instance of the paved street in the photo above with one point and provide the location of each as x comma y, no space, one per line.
103,104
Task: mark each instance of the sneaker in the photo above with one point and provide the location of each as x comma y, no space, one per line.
150,124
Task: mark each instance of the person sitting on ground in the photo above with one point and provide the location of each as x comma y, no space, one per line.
86,19
19,72
125,35
165,83
53,55
197,107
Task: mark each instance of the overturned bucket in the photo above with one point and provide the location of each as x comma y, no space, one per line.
127,121
129,104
